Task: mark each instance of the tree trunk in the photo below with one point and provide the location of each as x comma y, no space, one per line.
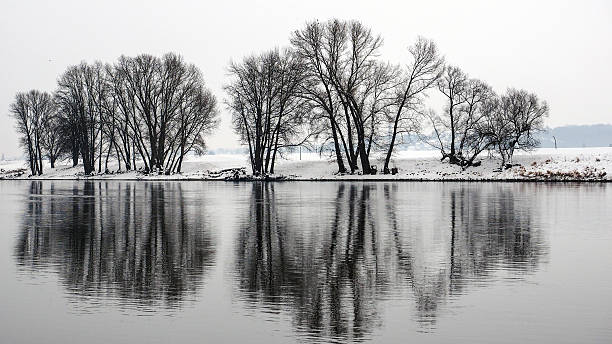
40,162
391,146
365,161
31,156
133,156
100,154
340,162
452,154
75,153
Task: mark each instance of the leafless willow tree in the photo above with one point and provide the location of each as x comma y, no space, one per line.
52,141
348,83
33,112
452,85
351,76
422,73
78,98
458,132
470,140
164,105
267,112
125,116
317,46
512,122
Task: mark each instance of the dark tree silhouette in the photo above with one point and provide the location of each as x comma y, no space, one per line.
523,114
421,74
267,114
460,133
347,84
33,113
155,108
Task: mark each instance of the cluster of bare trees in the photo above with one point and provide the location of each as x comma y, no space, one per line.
339,94
329,89
35,114
477,119
144,108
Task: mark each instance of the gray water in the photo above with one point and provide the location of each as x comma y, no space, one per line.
172,262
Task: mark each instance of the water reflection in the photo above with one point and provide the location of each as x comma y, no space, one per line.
328,281
330,261
140,245
331,257
479,234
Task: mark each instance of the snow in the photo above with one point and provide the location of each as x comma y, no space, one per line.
540,164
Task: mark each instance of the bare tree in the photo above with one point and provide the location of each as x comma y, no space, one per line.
33,112
153,108
124,116
76,96
452,85
165,110
470,139
197,117
495,127
22,113
377,102
52,141
318,49
266,110
522,115
341,61
349,78
461,132
142,77
421,74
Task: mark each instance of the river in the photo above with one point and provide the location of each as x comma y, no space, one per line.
186,262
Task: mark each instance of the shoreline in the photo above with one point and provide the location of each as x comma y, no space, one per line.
364,180
571,165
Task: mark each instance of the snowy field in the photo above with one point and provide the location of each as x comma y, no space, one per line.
542,164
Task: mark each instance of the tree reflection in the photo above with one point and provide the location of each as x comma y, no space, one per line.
332,269
484,233
328,283
140,244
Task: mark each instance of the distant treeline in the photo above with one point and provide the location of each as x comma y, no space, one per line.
329,90
597,135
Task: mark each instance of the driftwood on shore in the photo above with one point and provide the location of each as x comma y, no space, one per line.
12,174
239,174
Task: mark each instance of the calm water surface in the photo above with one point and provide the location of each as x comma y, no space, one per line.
192,262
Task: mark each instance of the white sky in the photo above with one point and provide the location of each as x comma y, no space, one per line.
558,49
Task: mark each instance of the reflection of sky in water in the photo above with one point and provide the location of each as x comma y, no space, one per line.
326,261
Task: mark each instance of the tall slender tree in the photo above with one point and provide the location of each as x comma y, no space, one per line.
421,73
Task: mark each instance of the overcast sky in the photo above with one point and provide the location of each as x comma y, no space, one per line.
560,50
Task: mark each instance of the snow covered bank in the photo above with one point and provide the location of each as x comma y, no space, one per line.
565,164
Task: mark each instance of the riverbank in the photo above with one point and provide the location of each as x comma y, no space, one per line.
545,164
